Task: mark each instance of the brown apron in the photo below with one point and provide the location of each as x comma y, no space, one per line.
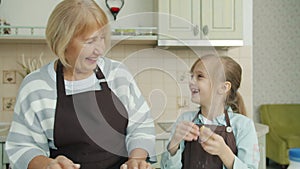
90,127
195,157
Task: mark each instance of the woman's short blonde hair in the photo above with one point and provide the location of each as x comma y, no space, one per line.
71,18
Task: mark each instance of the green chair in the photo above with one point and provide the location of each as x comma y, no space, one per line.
284,130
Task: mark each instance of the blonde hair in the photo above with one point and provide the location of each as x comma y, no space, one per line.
232,72
71,18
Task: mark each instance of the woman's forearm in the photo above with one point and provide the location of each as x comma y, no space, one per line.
39,162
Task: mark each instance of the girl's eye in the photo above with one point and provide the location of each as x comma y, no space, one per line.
199,76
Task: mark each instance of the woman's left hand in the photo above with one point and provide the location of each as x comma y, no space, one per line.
134,163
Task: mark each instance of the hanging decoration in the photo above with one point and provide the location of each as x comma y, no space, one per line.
114,6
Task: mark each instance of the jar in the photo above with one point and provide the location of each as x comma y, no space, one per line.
294,157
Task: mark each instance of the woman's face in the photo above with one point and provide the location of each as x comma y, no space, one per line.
83,51
200,85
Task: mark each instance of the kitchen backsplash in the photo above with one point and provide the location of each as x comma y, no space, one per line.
162,74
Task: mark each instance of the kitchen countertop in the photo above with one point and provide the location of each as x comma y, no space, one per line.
3,135
261,130
4,129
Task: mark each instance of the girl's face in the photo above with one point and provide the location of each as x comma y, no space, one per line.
83,51
200,85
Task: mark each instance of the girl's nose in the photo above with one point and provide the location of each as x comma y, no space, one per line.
192,80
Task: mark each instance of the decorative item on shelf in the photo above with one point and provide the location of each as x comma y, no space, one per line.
114,6
30,65
6,27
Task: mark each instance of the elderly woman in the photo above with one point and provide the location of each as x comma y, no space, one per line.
82,110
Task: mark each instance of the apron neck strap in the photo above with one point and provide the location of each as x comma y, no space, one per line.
225,112
60,78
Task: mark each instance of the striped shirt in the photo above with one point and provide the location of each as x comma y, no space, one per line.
31,132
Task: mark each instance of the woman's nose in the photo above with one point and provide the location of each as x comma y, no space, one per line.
99,47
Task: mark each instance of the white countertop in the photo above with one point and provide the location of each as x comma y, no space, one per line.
261,130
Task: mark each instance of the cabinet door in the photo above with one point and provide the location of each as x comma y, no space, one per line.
222,19
179,19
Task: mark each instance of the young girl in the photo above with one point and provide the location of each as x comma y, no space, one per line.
219,135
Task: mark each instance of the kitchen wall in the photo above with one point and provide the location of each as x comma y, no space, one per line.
276,52
161,73
36,12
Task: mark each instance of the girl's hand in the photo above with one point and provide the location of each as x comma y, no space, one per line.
211,142
185,130
214,144
134,163
62,162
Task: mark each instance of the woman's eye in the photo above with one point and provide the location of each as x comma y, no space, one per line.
90,41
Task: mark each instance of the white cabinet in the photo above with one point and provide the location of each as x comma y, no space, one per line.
200,20
3,157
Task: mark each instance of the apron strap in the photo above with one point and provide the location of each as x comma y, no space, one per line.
60,77
226,117
100,75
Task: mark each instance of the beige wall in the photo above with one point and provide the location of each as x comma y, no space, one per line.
160,73
276,52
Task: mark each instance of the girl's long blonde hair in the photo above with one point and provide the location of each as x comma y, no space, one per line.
226,66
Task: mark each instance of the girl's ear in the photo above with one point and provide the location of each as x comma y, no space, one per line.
224,88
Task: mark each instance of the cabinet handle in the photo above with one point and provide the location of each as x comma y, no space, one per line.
196,30
205,30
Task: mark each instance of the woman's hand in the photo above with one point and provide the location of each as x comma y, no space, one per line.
214,144
185,130
133,163
137,160
62,162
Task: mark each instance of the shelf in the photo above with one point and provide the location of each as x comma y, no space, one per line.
120,35
151,40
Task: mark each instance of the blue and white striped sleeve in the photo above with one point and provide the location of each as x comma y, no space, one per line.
140,129
27,137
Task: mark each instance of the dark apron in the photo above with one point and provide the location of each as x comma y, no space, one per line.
195,157
90,127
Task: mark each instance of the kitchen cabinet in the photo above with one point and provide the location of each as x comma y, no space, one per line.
4,162
200,20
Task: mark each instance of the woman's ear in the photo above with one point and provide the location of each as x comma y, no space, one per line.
224,88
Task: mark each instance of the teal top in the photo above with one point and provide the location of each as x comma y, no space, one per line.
244,133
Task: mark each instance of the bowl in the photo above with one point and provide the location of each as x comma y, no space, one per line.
166,125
